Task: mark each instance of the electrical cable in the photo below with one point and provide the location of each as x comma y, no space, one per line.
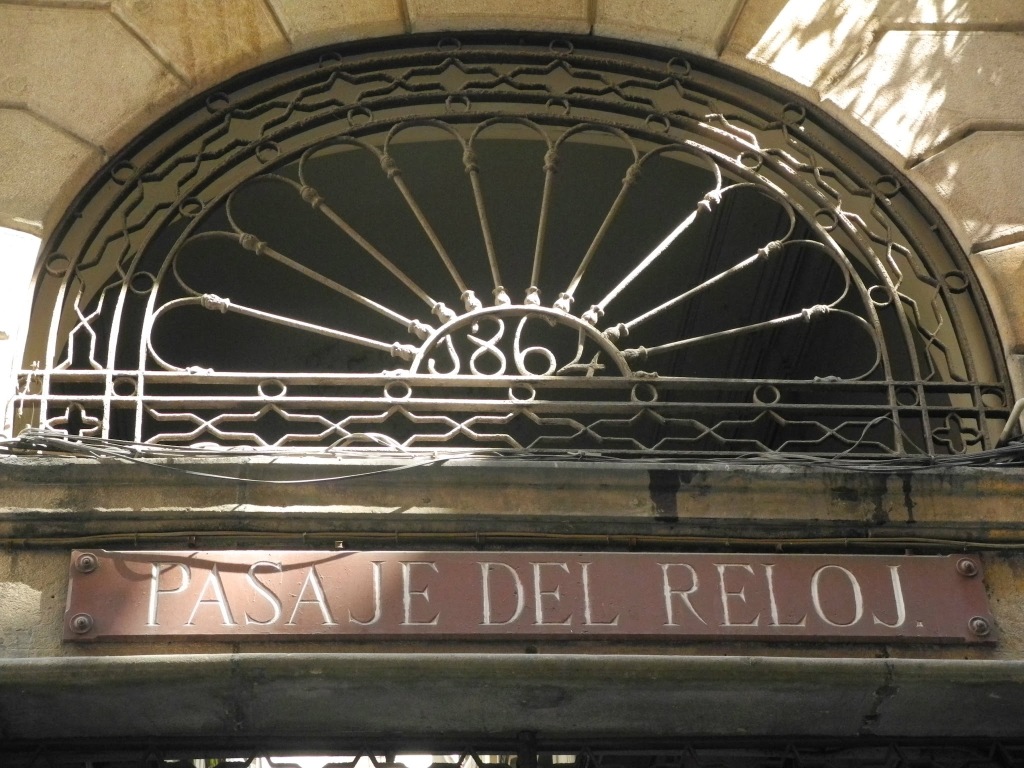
42,442
477,538
138,454
47,442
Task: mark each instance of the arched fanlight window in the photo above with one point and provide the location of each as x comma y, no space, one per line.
564,246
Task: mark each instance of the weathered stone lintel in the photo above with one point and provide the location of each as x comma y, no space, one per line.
42,497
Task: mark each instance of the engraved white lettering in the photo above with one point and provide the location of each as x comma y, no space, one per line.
155,591
313,583
220,599
378,567
740,593
769,575
858,597
486,569
684,594
588,616
897,593
408,593
265,592
540,593
768,597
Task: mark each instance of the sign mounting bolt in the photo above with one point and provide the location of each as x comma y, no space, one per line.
979,626
81,623
87,563
966,567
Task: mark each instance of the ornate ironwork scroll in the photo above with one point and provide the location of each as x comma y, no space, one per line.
540,246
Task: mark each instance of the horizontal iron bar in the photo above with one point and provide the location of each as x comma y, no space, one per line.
463,404
434,380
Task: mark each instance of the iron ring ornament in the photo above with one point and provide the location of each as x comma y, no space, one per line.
519,236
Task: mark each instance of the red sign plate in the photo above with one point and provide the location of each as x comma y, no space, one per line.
303,595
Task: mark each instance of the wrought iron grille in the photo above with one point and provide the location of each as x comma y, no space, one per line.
531,246
826,754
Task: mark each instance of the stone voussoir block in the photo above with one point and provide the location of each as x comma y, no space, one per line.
953,12
921,90
698,27
810,43
975,177
38,160
311,23
1001,272
205,42
82,68
569,16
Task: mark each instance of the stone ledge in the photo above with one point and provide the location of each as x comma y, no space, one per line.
263,700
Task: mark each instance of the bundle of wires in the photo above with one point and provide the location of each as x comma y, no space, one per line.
36,441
